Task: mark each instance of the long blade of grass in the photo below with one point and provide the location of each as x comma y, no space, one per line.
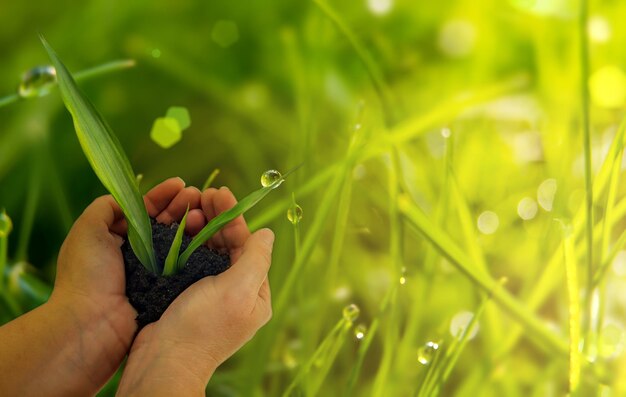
534,327
171,265
571,273
108,160
586,126
222,219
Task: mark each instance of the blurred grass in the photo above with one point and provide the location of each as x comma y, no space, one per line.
362,93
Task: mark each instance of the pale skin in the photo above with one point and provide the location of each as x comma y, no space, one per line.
73,344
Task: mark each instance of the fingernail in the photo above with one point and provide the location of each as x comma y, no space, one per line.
268,237
225,188
181,179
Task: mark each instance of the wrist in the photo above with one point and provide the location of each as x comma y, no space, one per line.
95,338
158,366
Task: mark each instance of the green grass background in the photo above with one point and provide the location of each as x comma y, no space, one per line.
361,97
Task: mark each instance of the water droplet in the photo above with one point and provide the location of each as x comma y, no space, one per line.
225,33
359,331
294,214
6,225
379,7
271,178
599,29
181,115
612,341
351,312
546,193
527,208
445,132
425,353
456,38
37,81
156,53
402,280
619,264
460,322
342,293
166,132
488,222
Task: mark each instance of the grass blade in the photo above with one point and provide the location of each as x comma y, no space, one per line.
571,273
210,179
108,160
171,265
222,219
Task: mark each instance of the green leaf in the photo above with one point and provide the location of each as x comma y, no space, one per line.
171,265
108,160
222,219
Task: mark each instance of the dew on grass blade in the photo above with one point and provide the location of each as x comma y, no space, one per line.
294,214
446,133
425,353
402,280
546,193
359,331
488,222
598,29
166,132
459,324
527,208
37,81
351,312
6,225
379,7
271,178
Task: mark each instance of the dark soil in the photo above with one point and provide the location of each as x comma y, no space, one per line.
151,294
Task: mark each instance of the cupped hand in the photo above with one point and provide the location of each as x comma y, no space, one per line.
211,319
90,281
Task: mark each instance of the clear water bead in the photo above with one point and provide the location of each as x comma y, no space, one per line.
294,214
425,353
37,81
271,178
359,331
351,312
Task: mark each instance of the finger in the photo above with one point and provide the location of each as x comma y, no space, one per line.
250,270
160,196
235,233
208,206
189,196
195,221
99,217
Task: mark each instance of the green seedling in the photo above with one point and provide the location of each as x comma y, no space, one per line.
110,163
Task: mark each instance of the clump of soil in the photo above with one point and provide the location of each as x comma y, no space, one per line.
150,294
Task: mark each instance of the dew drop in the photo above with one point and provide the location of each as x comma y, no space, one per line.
527,208
359,331
37,81
351,312
546,193
459,324
598,29
271,178
488,222
402,280
294,214
6,225
425,353
445,132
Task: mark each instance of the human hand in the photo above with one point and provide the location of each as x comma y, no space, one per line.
90,288
210,320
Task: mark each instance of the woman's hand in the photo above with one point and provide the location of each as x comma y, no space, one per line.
210,320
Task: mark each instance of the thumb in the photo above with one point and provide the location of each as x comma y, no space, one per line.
252,266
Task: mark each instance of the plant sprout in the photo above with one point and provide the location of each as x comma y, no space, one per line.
111,165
